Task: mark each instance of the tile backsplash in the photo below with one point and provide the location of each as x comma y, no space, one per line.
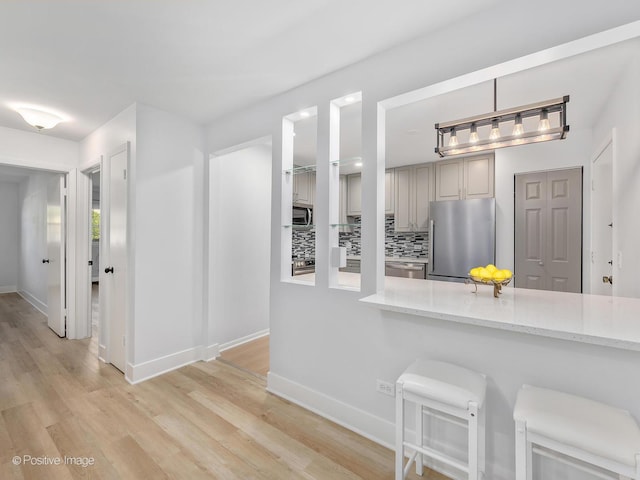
396,244
414,245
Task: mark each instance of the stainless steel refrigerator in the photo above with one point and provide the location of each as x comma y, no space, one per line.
462,235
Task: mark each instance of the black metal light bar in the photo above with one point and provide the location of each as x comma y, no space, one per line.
541,109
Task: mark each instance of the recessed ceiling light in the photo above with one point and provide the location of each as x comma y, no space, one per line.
358,164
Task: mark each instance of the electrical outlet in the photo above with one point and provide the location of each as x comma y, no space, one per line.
386,388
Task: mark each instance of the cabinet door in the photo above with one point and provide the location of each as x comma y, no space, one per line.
342,214
354,194
389,195
478,177
449,180
403,214
421,197
302,193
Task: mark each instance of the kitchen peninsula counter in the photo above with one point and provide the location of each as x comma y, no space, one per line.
595,319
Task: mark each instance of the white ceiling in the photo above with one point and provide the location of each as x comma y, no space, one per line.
200,59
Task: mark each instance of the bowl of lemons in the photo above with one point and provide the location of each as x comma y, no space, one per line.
491,275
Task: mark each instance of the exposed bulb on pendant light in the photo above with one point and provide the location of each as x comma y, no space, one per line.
473,136
518,129
544,124
495,130
453,139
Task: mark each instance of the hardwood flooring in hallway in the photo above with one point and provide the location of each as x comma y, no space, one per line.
203,421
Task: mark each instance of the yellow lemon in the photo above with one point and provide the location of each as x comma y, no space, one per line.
475,272
498,275
507,273
491,268
484,274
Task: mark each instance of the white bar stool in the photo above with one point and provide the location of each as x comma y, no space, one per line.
441,387
575,427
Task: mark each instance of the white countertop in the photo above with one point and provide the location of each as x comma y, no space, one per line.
600,320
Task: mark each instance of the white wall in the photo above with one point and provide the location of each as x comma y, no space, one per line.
37,150
9,236
622,112
32,275
169,236
239,244
327,349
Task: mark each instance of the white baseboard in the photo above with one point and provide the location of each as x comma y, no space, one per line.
241,340
211,352
9,289
102,353
146,370
363,423
37,304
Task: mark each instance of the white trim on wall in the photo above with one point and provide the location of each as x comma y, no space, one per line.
9,289
146,370
363,423
37,304
243,340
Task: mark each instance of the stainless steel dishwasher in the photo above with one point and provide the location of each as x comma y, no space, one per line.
405,269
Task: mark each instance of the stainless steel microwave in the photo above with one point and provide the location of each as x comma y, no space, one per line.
302,216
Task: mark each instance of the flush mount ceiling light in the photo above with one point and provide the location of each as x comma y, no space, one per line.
38,118
449,141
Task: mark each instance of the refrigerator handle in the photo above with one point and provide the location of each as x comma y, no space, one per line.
431,228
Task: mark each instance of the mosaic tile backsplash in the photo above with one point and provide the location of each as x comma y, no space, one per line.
415,245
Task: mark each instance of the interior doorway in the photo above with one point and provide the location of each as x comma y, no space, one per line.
240,253
602,226
94,249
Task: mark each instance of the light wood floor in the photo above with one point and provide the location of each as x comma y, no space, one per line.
207,420
252,356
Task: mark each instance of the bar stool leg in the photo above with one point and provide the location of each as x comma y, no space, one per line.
419,437
523,454
399,432
473,440
482,432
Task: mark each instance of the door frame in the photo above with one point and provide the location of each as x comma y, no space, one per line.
610,138
83,251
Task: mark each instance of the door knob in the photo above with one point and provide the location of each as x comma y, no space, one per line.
45,260
541,263
607,279
108,270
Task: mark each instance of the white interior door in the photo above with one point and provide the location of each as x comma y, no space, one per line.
602,222
55,256
115,255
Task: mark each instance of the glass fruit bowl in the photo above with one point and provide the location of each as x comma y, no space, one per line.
497,284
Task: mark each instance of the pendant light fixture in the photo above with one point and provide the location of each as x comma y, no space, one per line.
448,133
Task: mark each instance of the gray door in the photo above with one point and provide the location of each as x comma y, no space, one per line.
548,230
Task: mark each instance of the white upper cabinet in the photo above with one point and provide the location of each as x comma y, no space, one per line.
412,197
304,185
389,192
354,194
465,178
